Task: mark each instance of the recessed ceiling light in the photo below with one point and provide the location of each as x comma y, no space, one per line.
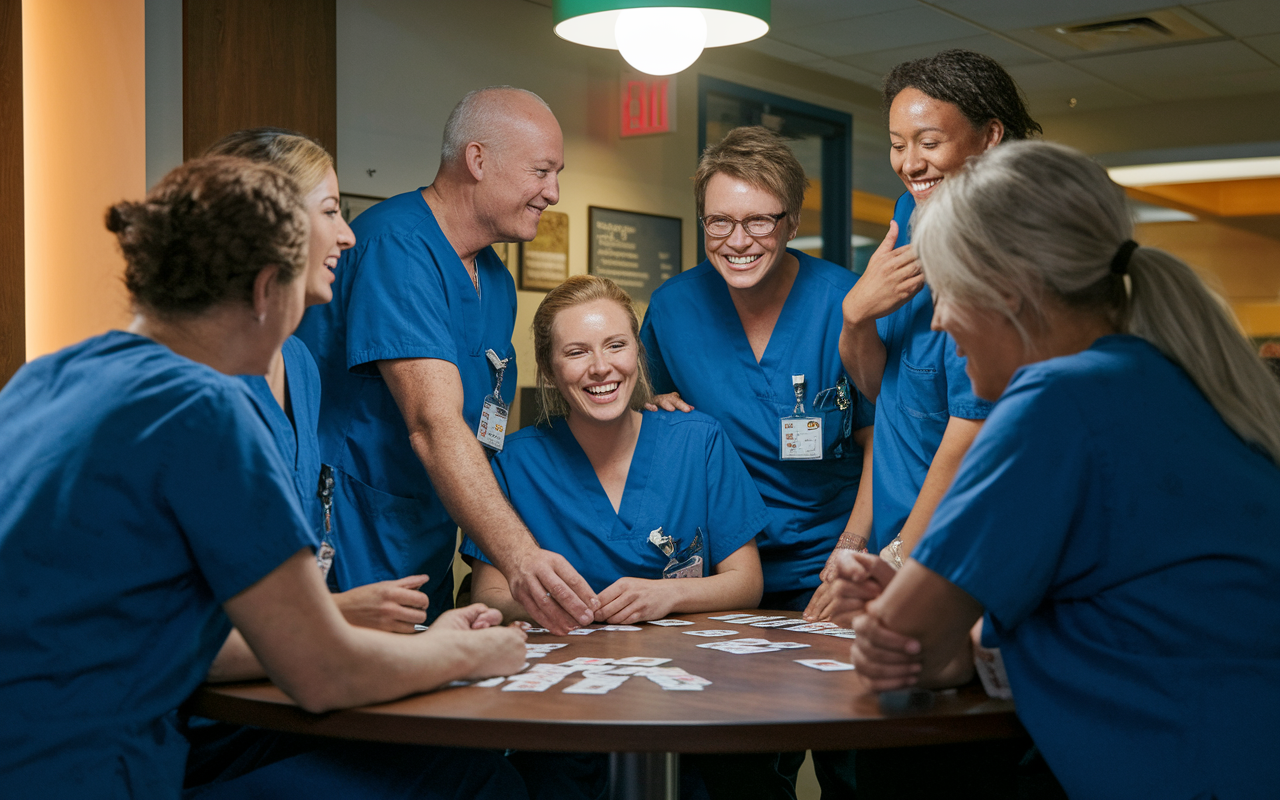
1196,171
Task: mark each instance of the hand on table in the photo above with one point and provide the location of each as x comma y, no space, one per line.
552,591
495,651
883,659
823,602
394,606
668,402
629,600
893,276
476,616
860,578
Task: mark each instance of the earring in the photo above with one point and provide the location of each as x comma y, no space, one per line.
262,318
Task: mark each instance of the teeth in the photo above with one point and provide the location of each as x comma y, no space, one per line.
920,186
605,389
741,259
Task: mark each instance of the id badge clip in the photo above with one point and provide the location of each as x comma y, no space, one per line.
324,556
492,431
801,435
686,563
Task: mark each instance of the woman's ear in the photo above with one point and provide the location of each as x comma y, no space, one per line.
993,133
265,287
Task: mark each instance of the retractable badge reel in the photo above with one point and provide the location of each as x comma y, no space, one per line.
324,556
492,430
801,435
684,563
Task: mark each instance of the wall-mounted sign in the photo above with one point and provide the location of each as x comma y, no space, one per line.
636,251
353,205
648,104
544,262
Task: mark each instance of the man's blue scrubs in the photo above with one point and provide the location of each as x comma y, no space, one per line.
696,345
401,292
1123,541
684,477
923,387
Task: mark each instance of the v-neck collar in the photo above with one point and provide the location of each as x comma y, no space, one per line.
630,510
762,374
282,428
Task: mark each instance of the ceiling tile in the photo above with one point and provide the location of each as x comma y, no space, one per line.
918,25
1269,46
772,47
1007,53
1171,66
1242,17
799,13
872,79
1007,15
1202,85
1049,88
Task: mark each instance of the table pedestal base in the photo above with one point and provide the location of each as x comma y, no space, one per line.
644,776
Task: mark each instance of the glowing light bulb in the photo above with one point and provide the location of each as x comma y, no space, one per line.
661,41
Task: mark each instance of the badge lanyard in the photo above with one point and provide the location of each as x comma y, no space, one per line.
324,556
686,563
492,430
801,435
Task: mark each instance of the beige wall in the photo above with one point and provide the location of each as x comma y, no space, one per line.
85,148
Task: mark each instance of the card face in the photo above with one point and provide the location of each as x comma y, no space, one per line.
755,640
813,627
596,684
641,661
824,664
546,648
748,649
586,660
537,630
582,631
777,623
711,633
731,617
620,628
669,623
755,619
490,682
788,645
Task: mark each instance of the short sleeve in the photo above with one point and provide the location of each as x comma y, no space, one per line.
470,548
397,306
238,509
865,412
658,374
961,401
1000,532
734,506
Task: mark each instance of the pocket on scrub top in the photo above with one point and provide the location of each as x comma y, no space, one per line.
392,526
922,392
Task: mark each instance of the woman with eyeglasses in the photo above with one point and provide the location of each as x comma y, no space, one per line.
751,337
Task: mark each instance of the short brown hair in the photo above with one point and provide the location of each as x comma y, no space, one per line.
760,157
206,230
576,291
296,155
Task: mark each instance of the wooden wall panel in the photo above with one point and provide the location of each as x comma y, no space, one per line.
12,281
248,63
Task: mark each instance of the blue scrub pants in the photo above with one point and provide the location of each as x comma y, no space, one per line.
251,764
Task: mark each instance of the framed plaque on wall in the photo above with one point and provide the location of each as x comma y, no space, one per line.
636,251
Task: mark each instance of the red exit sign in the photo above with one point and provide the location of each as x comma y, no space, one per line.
647,105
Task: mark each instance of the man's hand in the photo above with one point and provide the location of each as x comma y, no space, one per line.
860,578
552,591
893,276
394,606
668,402
495,651
476,616
629,600
883,659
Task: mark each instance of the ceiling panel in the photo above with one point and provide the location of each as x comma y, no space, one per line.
1007,15
788,14
1269,46
1049,88
832,67
1171,66
1241,17
1007,53
892,29
772,47
1209,85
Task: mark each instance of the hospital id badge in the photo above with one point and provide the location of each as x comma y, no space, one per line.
801,439
493,425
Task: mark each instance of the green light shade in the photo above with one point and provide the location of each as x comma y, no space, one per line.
592,22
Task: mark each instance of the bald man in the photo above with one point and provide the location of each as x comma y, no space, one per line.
410,351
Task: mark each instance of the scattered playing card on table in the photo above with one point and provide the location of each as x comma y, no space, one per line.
620,628
731,617
739,649
537,630
711,633
587,660
824,664
489,683
669,623
788,645
777,623
582,631
812,627
753,620
641,661
596,684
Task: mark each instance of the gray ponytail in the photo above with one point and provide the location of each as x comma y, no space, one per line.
1031,222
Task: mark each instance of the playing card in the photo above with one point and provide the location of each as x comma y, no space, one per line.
537,630
778,623
753,620
588,660
680,682
582,631
824,664
533,682
731,617
788,645
743,649
812,627
620,628
711,633
669,623
754,640
640,661
547,647
489,683
596,684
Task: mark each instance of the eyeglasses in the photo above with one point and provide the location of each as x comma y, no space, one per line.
759,225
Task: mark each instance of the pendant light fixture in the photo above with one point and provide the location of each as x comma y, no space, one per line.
660,37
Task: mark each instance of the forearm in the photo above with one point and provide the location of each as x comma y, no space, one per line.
863,355
727,590
488,586
946,462
235,662
935,612
857,531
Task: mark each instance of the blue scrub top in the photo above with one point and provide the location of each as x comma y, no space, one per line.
696,345
1123,541
142,491
401,292
684,476
923,387
297,440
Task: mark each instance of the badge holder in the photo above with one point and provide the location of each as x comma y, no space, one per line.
492,431
686,563
324,556
801,435
839,398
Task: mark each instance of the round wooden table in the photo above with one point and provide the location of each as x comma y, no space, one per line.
760,702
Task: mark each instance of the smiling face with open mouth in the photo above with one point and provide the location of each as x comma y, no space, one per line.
743,260
330,235
931,138
594,360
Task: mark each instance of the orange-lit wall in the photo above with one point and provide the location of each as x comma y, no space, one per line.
84,106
